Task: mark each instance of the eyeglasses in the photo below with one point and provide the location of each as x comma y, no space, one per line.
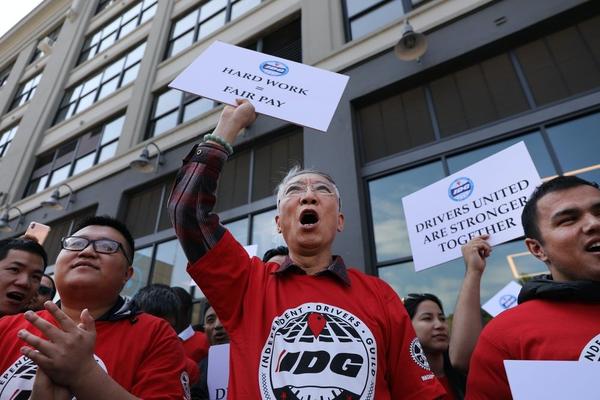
104,246
44,290
299,188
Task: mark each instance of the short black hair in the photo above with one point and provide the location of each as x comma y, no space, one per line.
529,217
277,251
412,301
53,293
159,300
105,220
186,305
23,244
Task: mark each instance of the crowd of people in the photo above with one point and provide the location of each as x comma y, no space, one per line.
300,324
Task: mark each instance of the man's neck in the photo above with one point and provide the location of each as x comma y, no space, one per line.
74,310
312,263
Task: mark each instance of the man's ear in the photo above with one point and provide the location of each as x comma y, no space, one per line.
277,223
340,224
536,248
128,274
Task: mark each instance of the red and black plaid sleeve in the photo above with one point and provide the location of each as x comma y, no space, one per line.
193,198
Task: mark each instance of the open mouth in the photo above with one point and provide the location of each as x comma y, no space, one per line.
309,217
16,296
593,247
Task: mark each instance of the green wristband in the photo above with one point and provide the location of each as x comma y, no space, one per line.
221,141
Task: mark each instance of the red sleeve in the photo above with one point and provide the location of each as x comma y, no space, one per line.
162,373
196,347
487,377
408,373
223,275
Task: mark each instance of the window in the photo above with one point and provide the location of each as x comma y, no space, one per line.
6,137
103,5
557,66
561,148
285,42
365,16
4,74
64,227
25,91
37,54
173,107
100,84
117,28
146,210
252,174
76,156
204,20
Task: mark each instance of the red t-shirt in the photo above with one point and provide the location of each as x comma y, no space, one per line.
534,330
295,335
144,357
196,347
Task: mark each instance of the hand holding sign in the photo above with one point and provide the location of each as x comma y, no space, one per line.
234,119
475,252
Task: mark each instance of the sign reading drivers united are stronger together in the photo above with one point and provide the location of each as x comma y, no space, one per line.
277,87
485,198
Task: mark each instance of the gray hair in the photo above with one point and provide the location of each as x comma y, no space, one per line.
297,171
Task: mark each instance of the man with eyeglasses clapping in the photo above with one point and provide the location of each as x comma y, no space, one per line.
93,344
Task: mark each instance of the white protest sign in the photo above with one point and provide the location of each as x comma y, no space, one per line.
277,87
484,198
503,300
552,380
218,371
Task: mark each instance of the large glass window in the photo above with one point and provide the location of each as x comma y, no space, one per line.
25,91
173,107
102,5
146,210
554,67
6,138
61,228
257,229
204,20
285,42
117,28
566,147
76,156
366,16
94,88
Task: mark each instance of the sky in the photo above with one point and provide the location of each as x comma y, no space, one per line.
13,11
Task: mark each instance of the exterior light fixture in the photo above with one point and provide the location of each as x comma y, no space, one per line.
54,200
411,46
4,220
143,163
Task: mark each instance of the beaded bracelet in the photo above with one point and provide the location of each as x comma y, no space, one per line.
219,140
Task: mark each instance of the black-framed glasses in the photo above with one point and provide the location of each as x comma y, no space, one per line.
104,246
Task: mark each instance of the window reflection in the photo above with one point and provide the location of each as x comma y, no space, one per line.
577,143
389,224
533,141
239,230
170,265
142,261
445,280
264,232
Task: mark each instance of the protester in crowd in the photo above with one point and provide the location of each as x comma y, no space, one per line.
308,327
161,301
216,334
276,255
93,344
557,315
45,292
22,264
195,343
449,355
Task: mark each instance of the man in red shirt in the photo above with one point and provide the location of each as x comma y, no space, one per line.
558,314
93,345
22,264
310,327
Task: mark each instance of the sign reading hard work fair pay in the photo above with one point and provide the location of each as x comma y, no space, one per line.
485,198
277,87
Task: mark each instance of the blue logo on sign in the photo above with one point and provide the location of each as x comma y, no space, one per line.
274,68
507,301
460,188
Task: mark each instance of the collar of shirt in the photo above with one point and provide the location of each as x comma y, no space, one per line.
337,268
186,333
